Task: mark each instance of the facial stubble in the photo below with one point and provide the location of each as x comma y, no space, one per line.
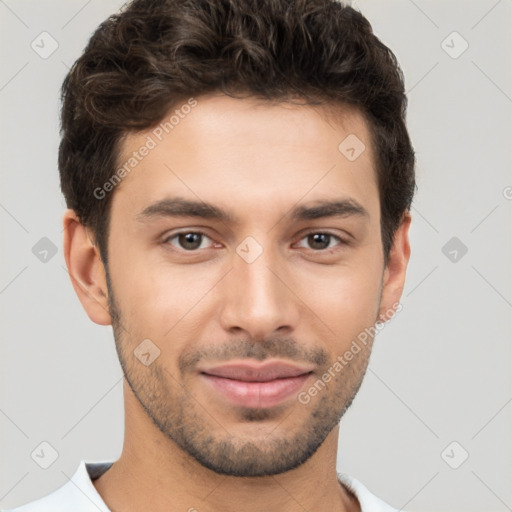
186,422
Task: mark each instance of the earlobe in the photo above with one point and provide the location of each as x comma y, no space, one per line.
85,269
394,273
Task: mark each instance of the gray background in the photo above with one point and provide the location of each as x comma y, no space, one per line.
440,371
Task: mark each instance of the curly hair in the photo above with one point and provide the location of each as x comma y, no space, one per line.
154,54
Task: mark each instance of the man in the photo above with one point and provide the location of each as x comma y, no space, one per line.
239,176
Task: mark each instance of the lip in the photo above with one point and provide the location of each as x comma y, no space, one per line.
250,371
254,384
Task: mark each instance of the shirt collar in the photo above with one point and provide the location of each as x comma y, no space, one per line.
89,471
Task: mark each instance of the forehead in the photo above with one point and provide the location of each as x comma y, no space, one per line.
249,152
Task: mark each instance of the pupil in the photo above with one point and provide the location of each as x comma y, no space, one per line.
190,238
317,238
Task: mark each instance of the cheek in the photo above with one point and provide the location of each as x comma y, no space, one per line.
159,300
346,299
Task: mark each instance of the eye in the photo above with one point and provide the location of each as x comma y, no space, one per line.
191,241
320,241
187,240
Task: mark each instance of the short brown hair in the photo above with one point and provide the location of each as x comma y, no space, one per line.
141,62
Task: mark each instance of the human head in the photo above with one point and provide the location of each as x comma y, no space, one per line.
253,131
157,54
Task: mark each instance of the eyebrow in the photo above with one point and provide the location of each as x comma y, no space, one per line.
181,207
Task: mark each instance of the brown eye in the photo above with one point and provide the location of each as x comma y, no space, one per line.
187,240
320,241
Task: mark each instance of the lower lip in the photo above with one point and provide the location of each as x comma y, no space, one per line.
256,394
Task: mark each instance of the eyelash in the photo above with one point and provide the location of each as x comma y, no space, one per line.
341,241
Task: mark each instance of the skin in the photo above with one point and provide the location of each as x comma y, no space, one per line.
185,445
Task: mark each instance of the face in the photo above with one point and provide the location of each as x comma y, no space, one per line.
228,313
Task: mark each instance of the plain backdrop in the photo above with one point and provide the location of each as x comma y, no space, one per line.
430,428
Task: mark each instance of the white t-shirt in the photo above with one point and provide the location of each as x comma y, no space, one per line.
80,495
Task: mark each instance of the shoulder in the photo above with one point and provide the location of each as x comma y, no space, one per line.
367,500
78,494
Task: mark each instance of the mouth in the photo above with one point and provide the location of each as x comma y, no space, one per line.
254,384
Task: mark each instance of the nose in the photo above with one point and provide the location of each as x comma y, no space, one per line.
258,297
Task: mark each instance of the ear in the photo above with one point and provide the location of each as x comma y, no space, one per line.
394,273
85,269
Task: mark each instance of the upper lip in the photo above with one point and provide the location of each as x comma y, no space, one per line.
256,371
